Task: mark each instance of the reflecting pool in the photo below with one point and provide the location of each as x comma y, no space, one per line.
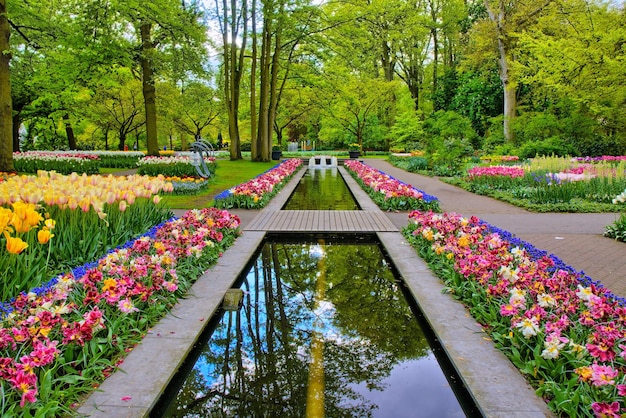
321,189
324,330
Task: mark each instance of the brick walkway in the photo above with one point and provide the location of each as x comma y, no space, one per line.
576,238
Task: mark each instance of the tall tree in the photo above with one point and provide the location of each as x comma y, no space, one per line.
197,111
233,22
576,53
165,29
285,26
508,18
6,112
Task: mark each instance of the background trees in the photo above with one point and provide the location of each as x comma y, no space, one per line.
372,72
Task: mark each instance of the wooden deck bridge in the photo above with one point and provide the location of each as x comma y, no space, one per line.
367,220
321,221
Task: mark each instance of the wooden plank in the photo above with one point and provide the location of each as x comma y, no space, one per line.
390,225
373,222
309,220
260,221
351,218
363,221
280,219
299,220
291,221
339,218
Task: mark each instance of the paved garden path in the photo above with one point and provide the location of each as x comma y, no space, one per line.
576,238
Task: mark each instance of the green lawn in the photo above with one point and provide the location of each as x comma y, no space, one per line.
229,173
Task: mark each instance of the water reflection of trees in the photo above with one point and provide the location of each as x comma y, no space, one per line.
257,362
321,190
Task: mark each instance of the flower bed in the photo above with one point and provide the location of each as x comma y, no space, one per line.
496,171
92,215
551,184
187,185
59,341
256,193
61,162
113,159
389,193
565,333
179,166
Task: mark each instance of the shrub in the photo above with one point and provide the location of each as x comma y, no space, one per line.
617,230
550,146
416,164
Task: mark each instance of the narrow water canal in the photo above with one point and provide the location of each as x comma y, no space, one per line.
321,189
324,330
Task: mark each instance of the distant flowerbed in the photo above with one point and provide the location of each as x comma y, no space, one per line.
496,170
187,185
551,183
176,165
61,162
256,193
564,332
601,158
387,192
60,340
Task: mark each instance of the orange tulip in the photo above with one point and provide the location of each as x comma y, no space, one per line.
25,216
15,245
5,218
44,235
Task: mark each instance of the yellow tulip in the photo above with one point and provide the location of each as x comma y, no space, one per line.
25,217
5,218
15,245
44,235
72,203
85,204
50,223
122,205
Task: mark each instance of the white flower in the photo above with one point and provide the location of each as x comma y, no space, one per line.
528,326
553,346
518,297
517,252
584,293
545,301
508,274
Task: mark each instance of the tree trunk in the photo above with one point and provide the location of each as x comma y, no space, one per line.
388,62
233,70
265,64
6,105
17,122
510,97
253,114
122,144
69,131
266,150
149,91
435,38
